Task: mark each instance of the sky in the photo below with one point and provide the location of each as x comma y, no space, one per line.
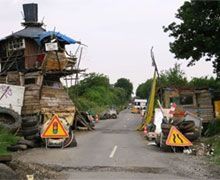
119,34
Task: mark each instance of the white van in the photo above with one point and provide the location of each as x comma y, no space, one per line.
139,105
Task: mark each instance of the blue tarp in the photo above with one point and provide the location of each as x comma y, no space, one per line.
60,37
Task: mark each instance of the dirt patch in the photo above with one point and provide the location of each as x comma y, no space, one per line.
152,170
43,171
195,167
40,171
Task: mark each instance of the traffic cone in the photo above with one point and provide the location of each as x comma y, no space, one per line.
145,130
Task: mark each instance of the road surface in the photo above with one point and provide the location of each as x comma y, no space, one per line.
116,151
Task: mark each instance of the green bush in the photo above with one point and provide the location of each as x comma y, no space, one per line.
94,93
213,128
6,139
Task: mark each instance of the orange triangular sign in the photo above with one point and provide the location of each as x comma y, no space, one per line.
55,129
176,138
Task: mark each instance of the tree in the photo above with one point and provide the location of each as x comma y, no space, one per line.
197,34
94,93
173,77
126,85
205,82
92,80
143,90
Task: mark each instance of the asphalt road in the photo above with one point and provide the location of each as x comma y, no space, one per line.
116,151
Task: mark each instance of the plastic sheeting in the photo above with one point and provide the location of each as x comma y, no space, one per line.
158,116
60,37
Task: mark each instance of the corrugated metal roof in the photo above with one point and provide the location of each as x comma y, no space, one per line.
31,32
38,34
28,32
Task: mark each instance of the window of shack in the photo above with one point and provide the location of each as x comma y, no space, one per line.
186,99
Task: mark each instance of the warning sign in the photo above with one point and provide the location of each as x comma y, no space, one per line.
55,129
176,138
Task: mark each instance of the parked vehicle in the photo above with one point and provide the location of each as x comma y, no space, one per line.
139,105
110,114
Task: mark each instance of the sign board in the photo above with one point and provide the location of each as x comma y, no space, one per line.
55,129
176,138
51,46
158,116
12,96
217,108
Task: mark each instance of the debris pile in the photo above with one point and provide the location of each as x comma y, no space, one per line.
202,149
173,127
84,121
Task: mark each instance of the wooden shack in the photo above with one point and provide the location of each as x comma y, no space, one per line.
27,60
196,101
36,59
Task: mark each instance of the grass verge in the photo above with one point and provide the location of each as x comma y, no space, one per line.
213,133
6,139
215,142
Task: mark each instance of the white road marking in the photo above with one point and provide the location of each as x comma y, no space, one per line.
113,152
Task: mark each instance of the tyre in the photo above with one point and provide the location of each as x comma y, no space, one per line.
163,145
30,121
105,116
192,136
165,128
33,137
157,140
165,131
29,143
113,116
186,125
10,119
188,130
30,131
17,147
71,140
177,122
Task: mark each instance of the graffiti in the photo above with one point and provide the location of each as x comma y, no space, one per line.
5,91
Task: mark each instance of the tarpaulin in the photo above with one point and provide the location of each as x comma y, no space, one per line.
60,37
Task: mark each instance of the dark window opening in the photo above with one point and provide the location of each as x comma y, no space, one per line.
186,100
54,84
30,81
137,103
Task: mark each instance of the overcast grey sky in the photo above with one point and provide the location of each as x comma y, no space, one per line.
119,33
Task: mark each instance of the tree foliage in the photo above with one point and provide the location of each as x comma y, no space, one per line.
197,34
143,90
92,80
205,82
95,93
173,77
126,85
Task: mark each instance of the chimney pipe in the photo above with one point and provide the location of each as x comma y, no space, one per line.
30,12
31,15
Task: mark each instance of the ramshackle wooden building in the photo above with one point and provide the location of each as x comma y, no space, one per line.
200,102
36,59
